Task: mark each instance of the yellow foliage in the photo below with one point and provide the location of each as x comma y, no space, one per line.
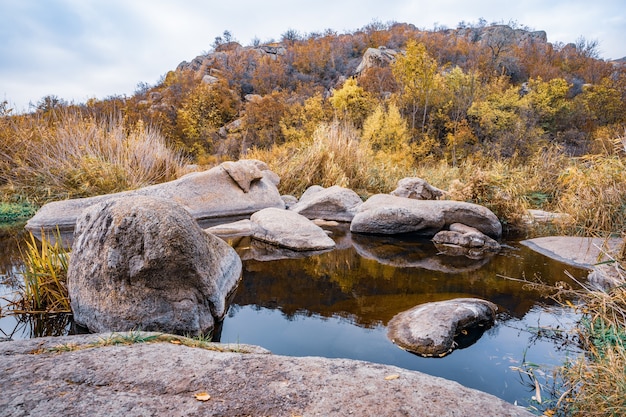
352,102
386,130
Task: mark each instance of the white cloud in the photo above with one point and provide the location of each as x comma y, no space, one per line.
78,49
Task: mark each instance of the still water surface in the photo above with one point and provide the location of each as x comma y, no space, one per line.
337,304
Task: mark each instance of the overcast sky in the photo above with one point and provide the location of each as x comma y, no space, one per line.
81,49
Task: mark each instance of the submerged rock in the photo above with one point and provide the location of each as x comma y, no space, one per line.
231,189
399,253
595,254
387,214
144,263
430,329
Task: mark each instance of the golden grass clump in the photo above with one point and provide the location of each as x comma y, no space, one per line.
45,277
79,156
595,383
593,191
334,156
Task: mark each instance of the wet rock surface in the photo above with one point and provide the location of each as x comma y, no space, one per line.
584,252
430,329
144,263
462,240
148,379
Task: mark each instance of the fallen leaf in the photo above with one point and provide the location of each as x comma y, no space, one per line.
391,377
202,396
175,342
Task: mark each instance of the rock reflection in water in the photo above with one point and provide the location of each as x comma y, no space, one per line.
422,254
369,279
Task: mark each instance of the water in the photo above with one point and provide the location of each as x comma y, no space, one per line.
337,304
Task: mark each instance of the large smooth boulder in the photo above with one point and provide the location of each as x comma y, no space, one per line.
430,329
289,230
229,190
417,188
332,203
144,263
387,214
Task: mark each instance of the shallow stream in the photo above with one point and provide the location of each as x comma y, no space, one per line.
337,304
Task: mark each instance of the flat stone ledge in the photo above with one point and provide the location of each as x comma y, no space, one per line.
163,378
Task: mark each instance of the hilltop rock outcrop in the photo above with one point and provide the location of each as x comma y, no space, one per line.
376,58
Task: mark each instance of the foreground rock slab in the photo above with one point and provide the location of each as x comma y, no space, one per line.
430,329
144,263
387,214
229,190
161,379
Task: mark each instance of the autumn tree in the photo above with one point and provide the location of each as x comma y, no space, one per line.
269,74
351,102
379,81
548,103
605,102
203,111
302,118
386,130
461,89
499,123
416,74
261,122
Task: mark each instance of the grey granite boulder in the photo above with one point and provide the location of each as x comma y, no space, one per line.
289,230
417,188
387,214
144,263
229,190
466,237
332,203
430,329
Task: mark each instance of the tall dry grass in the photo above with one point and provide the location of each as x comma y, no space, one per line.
334,155
592,190
45,277
594,383
78,156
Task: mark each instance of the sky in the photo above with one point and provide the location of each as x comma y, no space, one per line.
82,49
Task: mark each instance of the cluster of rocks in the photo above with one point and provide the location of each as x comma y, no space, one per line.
140,258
